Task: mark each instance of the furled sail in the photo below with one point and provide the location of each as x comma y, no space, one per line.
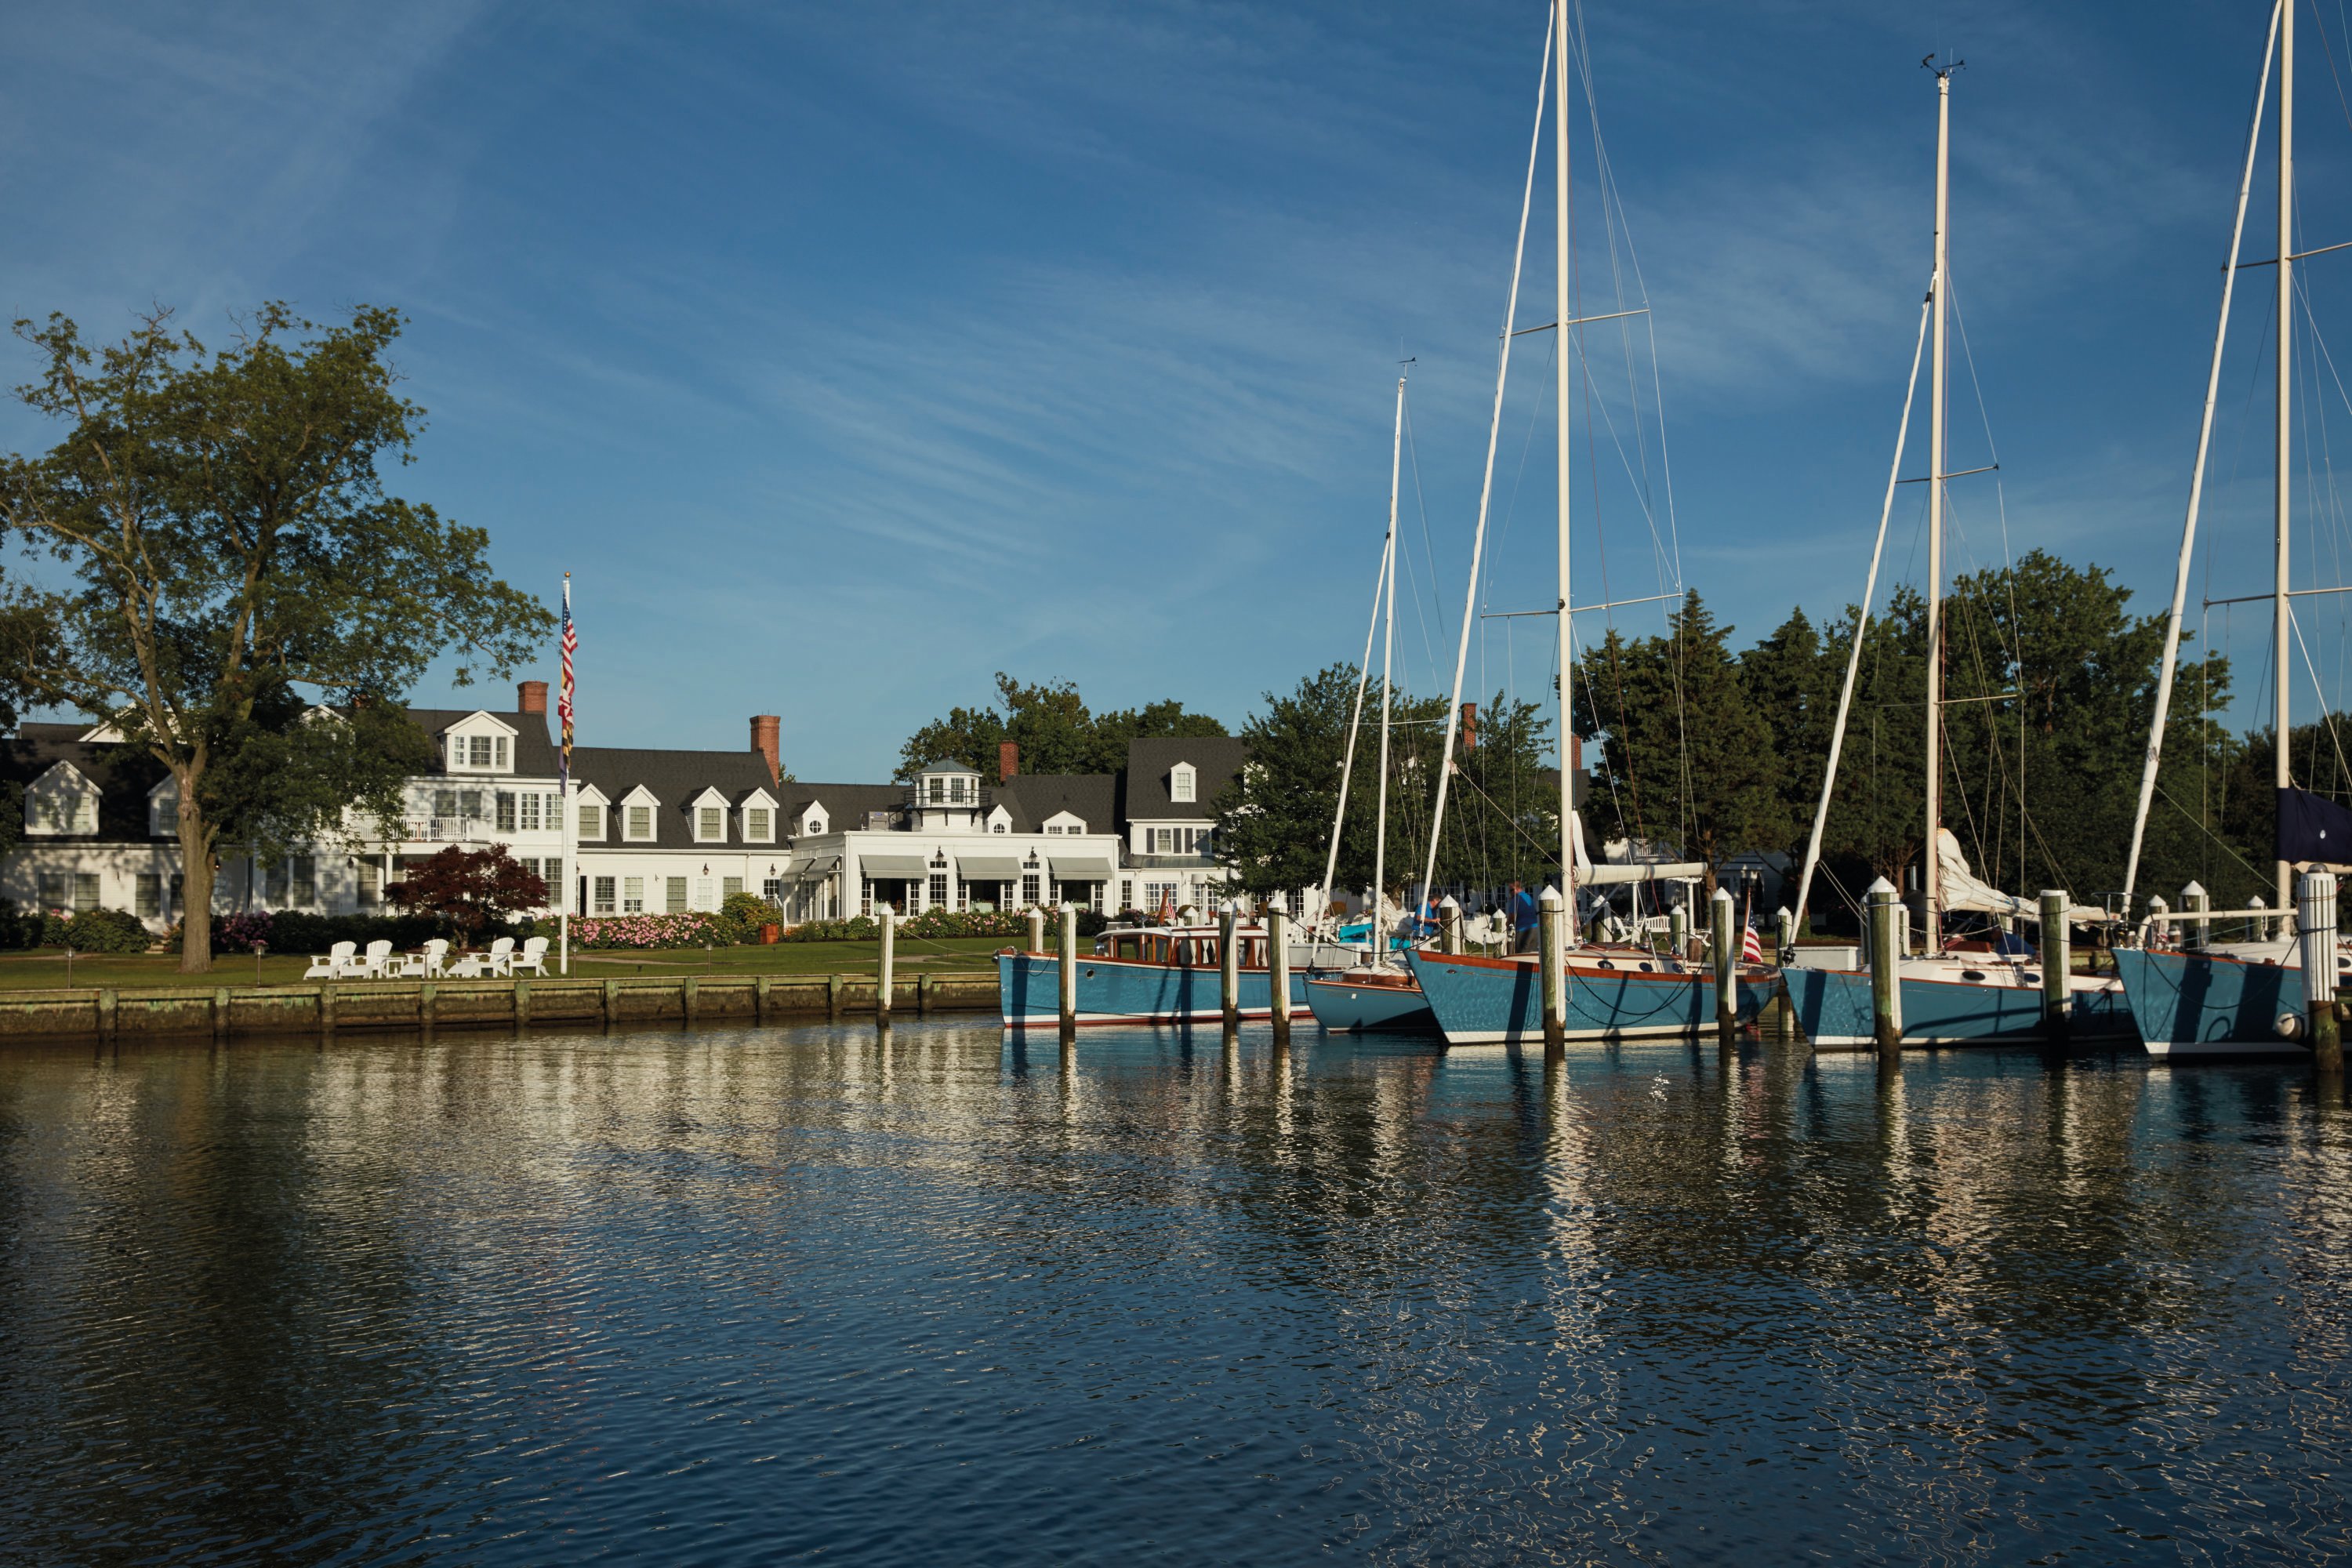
1962,891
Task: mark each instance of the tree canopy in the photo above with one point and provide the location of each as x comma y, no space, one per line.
251,601
1055,731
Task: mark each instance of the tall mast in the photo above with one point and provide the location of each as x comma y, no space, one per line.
2169,669
1388,643
2281,628
1487,485
1930,895
1561,399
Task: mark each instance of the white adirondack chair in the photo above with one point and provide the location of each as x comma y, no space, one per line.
436,953
335,964
376,963
533,957
502,956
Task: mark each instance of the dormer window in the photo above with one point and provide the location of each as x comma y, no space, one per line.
814,823
482,746
998,829
592,820
62,801
640,820
163,813
710,823
1180,785
756,821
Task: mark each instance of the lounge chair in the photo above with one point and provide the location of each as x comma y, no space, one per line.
502,956
469,966
533,957
376,963
336,962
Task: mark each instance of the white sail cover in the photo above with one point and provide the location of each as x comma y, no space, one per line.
1605,873
1962,891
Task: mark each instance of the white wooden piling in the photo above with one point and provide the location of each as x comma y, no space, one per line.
884,974
1277,969
1725,944
1551,933
2057,964
2315,920
2201,930
1229,966
1069,966
1887,919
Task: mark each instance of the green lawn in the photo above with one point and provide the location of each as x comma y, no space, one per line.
46,968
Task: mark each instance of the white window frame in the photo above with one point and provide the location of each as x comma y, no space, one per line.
1183,784
602,822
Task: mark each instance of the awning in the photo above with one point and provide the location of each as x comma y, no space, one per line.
809,868
892,866
988,868
1072,869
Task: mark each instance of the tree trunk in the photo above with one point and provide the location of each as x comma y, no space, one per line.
195,887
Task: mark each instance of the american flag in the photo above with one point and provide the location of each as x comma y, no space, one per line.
1751,945
563,692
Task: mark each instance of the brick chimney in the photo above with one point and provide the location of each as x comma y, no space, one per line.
766,733
1469,726
531,697
1008,760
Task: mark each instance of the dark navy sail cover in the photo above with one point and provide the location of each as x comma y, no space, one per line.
2312,827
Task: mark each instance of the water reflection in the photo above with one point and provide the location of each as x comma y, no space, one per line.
936,1292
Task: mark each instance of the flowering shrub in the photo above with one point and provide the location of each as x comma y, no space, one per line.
652,931
241,932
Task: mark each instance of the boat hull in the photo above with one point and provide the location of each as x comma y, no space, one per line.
1499,1001
1122,991
1833,1009
1344,1006
2192,1005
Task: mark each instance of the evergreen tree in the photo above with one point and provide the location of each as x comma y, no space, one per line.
1685,738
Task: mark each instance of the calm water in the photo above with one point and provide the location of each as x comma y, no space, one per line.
749,1297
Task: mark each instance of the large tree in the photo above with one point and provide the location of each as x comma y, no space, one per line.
1055,731
250,600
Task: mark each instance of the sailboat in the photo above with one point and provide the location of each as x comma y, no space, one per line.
1611,993
1948,996
1379,994
2191,998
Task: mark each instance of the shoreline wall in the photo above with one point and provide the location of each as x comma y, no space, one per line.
110,1013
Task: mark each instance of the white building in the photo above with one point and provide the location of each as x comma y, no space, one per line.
660,831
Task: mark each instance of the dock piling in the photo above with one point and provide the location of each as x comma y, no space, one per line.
1229,969
1784,936
2057,964
1449,926
1036,929
1887,917
1678,933
884,976
1069,966
2194,901
1552,939
1277,970
1724,950
2315,918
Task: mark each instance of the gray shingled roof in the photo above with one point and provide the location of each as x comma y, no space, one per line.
1030,798
846,805
534,755
675,779
1216,758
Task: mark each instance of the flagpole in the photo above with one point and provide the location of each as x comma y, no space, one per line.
563,795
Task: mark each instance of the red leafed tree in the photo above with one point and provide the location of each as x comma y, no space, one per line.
470,888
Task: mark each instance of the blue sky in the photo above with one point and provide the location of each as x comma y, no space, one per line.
848,354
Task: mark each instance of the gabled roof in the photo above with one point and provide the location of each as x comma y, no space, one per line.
1215,760
534,754
675,779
